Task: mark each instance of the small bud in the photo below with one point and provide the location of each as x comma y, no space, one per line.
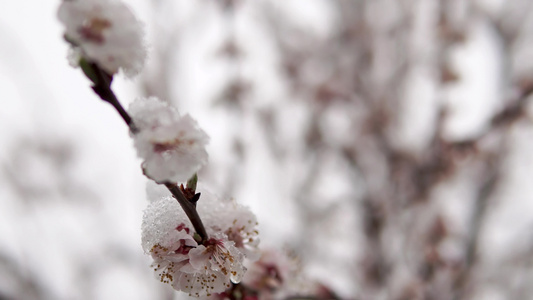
191,183
88,70
197,237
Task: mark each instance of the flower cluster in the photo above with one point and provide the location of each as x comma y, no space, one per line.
181,261
104,32
172,146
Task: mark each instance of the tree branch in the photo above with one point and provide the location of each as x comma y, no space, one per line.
102,87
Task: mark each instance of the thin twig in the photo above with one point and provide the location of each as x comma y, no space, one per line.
190,209
485,192
102,87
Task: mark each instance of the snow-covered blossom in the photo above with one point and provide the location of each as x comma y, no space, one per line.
172,146
198,269
105,32
238,222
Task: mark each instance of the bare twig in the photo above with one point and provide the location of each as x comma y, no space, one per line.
102,87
